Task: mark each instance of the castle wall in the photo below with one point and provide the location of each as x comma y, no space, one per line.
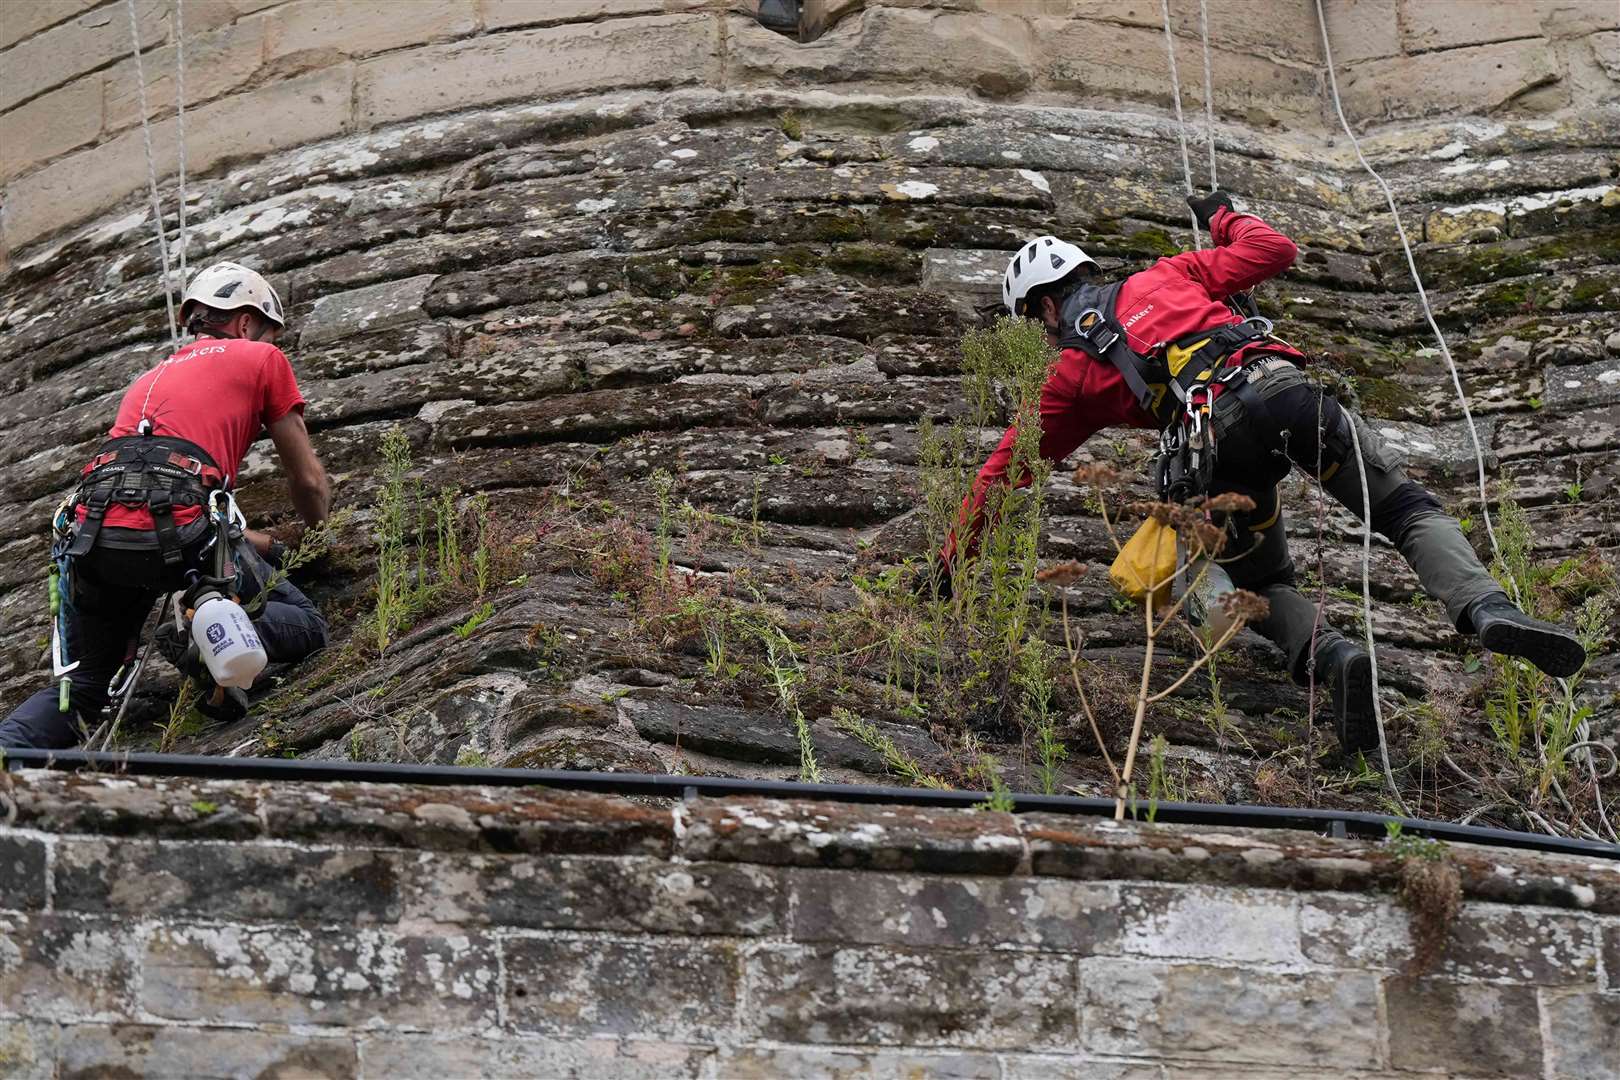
345,930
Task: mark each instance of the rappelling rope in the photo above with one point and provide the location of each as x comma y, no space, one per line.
151,171
1423,296
180,124
1181,122
1209,95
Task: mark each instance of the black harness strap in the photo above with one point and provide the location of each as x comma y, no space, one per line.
158,472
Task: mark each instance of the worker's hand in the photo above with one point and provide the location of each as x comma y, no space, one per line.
1204,206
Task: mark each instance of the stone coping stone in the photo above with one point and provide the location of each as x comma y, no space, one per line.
770,832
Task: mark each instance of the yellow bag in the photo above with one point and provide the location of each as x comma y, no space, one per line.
1149,556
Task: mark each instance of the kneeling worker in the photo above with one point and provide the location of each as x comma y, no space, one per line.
1162,350
138,526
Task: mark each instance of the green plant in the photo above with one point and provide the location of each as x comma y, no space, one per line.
471,757
389,529
1160,784
204,807
481,551
183,716
477,619
783,670
896,760
791,125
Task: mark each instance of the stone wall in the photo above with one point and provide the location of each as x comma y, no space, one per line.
267,76
240,929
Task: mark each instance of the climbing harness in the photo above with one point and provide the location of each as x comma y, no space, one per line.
1176,381
157,472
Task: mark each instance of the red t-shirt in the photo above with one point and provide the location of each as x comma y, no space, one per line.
219,393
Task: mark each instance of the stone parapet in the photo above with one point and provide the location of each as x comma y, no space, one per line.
377,930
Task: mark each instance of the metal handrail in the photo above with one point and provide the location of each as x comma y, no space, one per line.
1339,823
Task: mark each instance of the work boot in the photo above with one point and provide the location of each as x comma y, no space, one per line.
1503,628
1347,670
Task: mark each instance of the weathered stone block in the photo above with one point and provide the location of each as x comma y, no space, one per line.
1486,941
773,832
1476,80
295,976
1362,30
615,893
26,20
531,64
28,1050
599,415
890,909
1449,24
22,873
1546,434
1584,1035
987,51
592,986
218,62
1227,1014
84,803
254,882
1476,1029
505,14
72,48
280,115
508,820
1583,384
506,1057
362,28
1169,922
143,1050
65,967
988,1000
769,1063
51,124
375,307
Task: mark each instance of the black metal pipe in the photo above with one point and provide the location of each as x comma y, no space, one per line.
1335,822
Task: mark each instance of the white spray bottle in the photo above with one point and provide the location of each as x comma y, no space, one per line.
226,640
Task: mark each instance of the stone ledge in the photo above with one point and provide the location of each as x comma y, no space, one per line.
54,807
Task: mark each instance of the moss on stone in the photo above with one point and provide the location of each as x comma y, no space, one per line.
889,264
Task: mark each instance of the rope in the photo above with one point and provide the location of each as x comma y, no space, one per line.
1366,615
1423,296
1209,92
151,172
1181,122
180,124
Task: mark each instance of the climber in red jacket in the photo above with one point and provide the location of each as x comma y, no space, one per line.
1163,344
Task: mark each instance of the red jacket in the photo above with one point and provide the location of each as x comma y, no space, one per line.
1175,296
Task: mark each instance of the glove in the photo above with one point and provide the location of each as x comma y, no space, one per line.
175,646
231,706
277,554
1204,206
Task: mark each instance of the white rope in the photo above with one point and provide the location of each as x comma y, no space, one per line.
180,124
1209,94
1181,122
1423,296
1366,615
151,171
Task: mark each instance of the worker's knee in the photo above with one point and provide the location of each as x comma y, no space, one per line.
1394,514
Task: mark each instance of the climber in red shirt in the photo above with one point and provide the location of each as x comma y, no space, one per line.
139,525
1119,370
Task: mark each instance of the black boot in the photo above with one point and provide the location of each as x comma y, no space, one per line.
1503,628
1347,671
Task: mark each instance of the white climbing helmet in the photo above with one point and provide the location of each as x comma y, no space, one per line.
226,286
1042,261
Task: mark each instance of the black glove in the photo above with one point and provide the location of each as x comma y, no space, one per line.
1204,206
175,646
277,554
231,706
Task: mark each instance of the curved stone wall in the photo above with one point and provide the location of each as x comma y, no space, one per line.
760,292
267,76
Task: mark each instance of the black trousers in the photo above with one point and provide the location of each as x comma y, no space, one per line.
1275,420
104,618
